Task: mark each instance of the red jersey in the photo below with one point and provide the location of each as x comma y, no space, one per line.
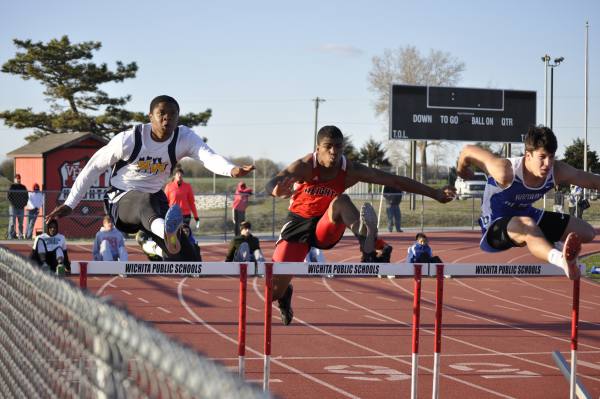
312,198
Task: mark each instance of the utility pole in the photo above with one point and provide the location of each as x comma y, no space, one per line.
546,59
317,100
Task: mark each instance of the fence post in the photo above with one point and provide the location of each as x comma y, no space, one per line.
225,220
473,213
273,218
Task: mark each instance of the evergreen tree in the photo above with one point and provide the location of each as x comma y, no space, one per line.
71,84
574,156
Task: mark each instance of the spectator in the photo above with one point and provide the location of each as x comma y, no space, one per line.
109,244
383,254
35,203
575,197
245,247
393,197
240,203
559,200
50,250
17,198
181,193
420,251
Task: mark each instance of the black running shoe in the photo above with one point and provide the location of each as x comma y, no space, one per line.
368,257
285,306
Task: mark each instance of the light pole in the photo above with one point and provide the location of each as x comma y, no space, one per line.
317,101
548,116
556,63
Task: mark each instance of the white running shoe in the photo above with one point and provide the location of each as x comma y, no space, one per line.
571,251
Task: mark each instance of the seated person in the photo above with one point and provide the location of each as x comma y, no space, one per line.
109,244
420,251
50,250
383,253
245,247
155,253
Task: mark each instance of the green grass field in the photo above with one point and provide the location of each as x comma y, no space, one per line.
589,262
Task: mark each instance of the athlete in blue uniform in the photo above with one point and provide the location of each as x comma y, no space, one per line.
508,218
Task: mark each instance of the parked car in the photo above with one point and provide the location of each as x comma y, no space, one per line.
470,188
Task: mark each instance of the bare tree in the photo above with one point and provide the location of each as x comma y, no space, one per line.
407,65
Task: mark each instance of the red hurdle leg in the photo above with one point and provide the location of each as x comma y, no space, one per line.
574,332
242,318
268,305
437,346
83,275
415,331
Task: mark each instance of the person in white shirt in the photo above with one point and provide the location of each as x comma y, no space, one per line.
109,244
50,250
35,203
142,159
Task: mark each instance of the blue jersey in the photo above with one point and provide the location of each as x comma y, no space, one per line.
514,200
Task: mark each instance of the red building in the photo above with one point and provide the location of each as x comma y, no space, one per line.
54,162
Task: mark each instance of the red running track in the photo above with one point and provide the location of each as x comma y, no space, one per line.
351,337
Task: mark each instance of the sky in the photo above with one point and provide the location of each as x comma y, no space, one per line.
258,65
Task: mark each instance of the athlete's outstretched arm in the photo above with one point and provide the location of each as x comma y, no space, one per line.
281,185
499,168
358,172
102,159
566,174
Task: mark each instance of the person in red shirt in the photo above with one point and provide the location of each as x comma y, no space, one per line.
181,193
320,211
240,203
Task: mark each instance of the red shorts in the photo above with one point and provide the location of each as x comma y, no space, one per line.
299,234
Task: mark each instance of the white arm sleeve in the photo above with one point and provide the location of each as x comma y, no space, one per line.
199,150
103,159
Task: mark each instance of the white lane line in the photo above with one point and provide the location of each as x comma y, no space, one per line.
107,284
581,300
337,307
383,298
126,292
463,299
492,321
421,355
539,311
554,317
186,320
164,310
252,309
112,285
368,316
531,297
224,299
143,300
256,352
369,349
464,317
201,290
260,380
507,307
491,290
586,307
305,298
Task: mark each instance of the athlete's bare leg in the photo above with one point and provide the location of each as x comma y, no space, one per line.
524,232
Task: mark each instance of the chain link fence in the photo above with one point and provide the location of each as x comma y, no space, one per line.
57,341
267,214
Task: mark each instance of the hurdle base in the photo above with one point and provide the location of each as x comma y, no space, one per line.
565,369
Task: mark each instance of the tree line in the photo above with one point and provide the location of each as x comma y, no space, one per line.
78,104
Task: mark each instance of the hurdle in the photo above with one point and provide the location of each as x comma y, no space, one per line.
86,268
510,270
302,269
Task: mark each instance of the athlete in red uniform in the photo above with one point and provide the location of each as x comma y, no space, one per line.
320,211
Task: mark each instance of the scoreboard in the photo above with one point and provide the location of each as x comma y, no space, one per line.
460,113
